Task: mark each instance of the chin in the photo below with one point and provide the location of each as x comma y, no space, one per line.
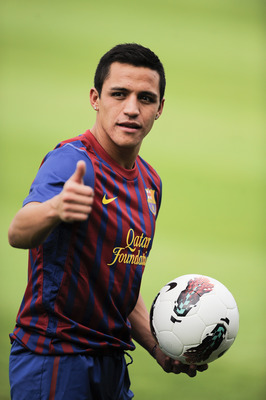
127,141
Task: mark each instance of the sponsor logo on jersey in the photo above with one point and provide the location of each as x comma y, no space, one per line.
135,250
151,200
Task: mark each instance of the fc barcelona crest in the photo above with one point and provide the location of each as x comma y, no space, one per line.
151,200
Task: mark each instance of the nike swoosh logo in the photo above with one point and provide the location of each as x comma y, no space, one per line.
107,201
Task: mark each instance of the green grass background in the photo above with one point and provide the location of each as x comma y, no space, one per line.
208,148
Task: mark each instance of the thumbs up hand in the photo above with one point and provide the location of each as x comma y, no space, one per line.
79,172
75,201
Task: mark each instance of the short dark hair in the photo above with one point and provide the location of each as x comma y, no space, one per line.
132,54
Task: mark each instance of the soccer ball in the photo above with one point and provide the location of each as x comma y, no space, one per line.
194,319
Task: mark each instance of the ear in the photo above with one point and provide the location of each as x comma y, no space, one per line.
94,99
160,109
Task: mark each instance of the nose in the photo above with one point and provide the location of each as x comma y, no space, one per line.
131,108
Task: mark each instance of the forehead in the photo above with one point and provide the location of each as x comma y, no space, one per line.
133,78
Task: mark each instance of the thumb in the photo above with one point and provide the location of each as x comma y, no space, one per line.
79,172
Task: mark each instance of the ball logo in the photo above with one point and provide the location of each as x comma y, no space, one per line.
190,296
209,344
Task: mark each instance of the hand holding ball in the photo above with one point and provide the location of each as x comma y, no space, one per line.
194,319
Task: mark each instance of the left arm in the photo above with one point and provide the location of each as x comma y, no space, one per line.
140,323
141,332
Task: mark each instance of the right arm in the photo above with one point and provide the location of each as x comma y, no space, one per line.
141,332
35,221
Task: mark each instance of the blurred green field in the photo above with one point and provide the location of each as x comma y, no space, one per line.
208,148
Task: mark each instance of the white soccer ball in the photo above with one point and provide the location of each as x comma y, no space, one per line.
194,319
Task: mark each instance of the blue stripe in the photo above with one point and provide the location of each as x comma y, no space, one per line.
117,242
128,266
34,317
95,270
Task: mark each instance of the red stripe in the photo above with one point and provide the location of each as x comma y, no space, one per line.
54,378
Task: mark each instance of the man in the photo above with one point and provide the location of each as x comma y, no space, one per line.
89,222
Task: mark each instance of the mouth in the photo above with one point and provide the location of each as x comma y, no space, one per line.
129,126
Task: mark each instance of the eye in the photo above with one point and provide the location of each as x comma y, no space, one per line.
145,98
118,94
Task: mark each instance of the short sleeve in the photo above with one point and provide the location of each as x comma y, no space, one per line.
56,169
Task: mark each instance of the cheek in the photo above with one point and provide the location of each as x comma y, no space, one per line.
106,116
150,122
110,114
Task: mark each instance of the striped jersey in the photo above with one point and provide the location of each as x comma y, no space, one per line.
84,280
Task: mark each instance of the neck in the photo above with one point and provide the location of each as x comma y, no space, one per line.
124,156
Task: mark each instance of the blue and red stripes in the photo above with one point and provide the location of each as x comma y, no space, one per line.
84,280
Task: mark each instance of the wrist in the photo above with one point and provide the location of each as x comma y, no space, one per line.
154,350
53,210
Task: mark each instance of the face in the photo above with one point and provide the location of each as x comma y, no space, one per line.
127,108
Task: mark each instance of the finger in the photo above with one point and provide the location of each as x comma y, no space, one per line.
79,172
75,212
77,206
74,217
192,371
73,195
178,367
202,368
168,365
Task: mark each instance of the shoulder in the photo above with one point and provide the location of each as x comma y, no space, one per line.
60,163
146,168
78,142
74,147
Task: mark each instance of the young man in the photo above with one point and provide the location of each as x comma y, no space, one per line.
89,222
